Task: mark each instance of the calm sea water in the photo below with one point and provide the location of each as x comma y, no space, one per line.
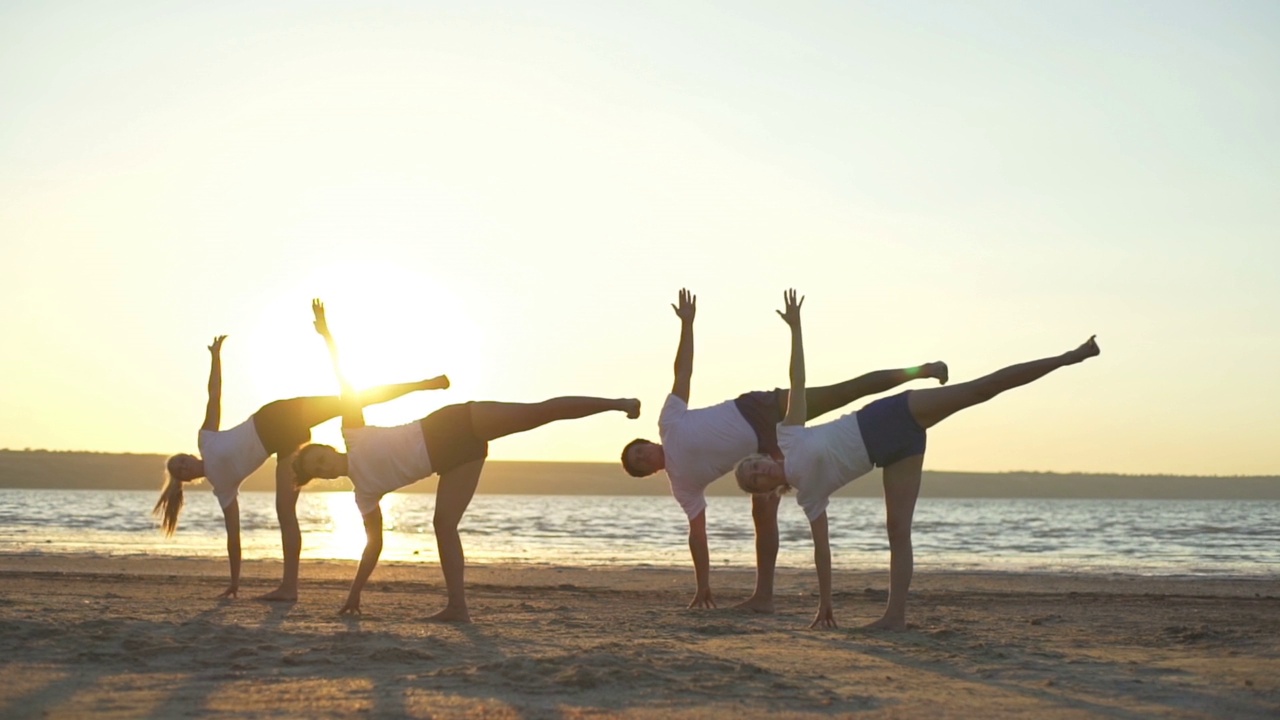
1152,537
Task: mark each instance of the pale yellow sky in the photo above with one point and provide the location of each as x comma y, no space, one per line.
514,193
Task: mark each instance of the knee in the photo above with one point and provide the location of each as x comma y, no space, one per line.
899,532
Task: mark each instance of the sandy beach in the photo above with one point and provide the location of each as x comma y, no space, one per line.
142,637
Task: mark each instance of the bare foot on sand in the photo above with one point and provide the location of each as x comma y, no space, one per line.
280,594
453,615
756,605
887,623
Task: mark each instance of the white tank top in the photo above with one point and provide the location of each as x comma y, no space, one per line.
821,459
230,456
382,459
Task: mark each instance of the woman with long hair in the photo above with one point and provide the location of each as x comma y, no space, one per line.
228,457
888,433
452,442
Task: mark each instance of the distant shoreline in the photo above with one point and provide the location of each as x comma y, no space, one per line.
30,469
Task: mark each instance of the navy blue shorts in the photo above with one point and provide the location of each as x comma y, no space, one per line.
889,431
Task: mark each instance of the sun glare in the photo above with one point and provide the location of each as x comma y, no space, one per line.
346,537
392,325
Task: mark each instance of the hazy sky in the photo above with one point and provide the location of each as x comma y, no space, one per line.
513,193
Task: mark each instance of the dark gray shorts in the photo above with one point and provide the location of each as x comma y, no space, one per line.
451,439
285,425
763,410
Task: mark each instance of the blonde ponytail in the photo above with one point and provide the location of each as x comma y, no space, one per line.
169,505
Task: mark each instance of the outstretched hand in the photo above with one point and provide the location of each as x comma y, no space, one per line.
216,346
824,618
702,599
322,325
688,306
791,314
439,382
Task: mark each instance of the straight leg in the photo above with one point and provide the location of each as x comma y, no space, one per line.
310,411
492,420
453,495
764,514
822,400
933,405
290,532
901,489
384,393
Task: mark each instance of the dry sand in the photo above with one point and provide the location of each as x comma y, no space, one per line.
142,637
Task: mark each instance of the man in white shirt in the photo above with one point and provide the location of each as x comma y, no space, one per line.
698,446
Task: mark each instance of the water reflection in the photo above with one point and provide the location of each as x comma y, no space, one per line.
337,532
1135,536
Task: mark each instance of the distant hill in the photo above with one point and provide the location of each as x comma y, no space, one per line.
111,471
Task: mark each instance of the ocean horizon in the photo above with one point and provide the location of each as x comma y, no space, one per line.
1144,537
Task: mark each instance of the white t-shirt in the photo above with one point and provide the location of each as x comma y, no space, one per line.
230,456
700,446
822,459
382,459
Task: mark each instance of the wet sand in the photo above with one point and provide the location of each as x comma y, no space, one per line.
143,637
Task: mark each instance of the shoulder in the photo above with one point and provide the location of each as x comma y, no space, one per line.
791,434
210,441
672,410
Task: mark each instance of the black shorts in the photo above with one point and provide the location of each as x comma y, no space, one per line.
763,410
451,439
890,431
285,425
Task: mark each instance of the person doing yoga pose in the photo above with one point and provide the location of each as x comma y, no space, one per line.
228,457
888,433
452,442
701,445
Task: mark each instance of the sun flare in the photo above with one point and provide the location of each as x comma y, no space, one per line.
346,537
392,325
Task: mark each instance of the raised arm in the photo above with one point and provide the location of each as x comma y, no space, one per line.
822,561
684,353
352,410
797,409
213,411
368,561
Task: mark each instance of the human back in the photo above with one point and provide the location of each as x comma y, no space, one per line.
383,459
702,445
230,457
820,459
